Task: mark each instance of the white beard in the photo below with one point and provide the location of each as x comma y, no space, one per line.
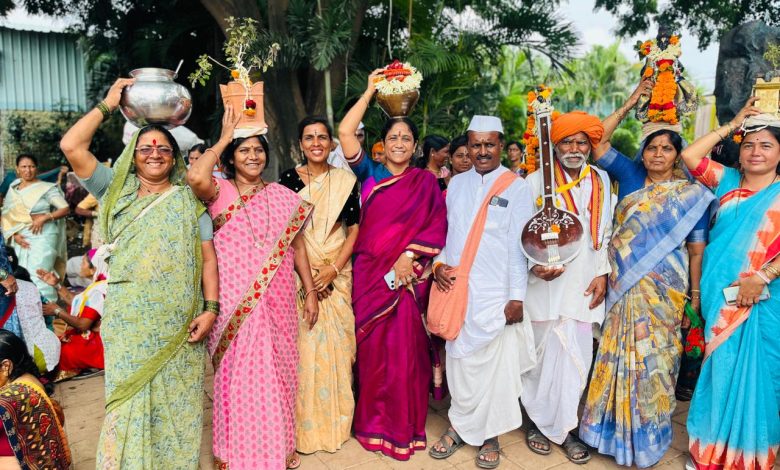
566,160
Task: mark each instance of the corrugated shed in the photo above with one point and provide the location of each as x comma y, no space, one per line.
41,71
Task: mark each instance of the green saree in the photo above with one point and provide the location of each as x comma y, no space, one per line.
154,378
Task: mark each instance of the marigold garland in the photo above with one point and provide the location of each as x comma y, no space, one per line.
530,140
661,65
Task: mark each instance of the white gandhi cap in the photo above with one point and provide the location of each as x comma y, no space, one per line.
485,124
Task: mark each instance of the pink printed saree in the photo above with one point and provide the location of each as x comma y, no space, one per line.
254,341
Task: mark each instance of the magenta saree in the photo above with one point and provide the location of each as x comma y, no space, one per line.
254,341
393,367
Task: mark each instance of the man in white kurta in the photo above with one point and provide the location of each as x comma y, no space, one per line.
565,303
487,359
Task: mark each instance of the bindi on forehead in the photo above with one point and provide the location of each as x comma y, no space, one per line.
154,141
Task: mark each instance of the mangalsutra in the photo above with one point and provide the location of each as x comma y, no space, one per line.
327,209
242,203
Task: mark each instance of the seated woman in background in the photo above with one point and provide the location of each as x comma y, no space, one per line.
21,315
82,347
32,434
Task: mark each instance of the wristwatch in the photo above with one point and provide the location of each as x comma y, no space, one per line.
3,274
410,254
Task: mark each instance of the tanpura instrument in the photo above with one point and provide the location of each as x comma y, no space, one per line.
553,236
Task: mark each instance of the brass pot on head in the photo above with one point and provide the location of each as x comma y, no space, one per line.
155,98
398,105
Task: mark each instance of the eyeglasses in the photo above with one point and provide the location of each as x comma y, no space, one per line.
147,150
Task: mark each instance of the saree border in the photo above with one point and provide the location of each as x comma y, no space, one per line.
261,282
233,208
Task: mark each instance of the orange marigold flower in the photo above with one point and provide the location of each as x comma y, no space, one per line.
647,73
249,112
737,138
555,228
674,39
234,73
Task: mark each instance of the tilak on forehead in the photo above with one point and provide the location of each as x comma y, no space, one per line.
154,141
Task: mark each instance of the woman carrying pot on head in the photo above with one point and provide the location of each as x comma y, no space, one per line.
403,226
161,267
325,402
733,419
258,235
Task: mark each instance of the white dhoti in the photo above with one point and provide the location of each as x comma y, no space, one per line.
553,388
486,384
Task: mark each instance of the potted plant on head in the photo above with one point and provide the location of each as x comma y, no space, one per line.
243,61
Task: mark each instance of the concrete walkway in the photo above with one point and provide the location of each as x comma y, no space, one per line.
83,402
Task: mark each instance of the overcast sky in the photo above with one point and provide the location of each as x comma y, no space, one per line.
594,28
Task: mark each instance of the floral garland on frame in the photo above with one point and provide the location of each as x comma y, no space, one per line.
672,95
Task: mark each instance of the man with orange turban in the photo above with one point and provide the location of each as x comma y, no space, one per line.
563,302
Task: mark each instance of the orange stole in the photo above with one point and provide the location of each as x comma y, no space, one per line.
447,310
594,205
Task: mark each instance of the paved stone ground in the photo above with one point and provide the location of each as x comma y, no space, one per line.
83,402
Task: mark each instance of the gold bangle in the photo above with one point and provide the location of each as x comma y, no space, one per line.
313,289
212,151
771,270
695,290
338,271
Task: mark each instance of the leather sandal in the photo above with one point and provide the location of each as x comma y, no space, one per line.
574,446
488,447
535,436
449,449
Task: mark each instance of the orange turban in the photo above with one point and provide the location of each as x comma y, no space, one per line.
571,123
378,147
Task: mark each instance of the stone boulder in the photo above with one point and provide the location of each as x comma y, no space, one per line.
740,62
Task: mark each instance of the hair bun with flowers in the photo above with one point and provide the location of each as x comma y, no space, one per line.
672,95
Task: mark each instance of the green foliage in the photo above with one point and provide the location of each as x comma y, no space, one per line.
706,19
772,54
40,132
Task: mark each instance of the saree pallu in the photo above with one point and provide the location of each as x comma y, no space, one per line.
48,248
153,377
393,367
628,411
34,426
254,341
734,418
325,403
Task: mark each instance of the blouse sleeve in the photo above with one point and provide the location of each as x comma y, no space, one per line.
350,214
619,166
55,198
709,173
98,183
701,230
206,227
362,165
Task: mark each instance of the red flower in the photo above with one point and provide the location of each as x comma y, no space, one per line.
250,104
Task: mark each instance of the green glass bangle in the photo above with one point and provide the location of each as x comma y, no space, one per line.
104,109
211,306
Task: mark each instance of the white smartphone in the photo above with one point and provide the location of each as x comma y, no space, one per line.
730,294
390,279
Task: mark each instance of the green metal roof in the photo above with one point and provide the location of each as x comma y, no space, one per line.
41,71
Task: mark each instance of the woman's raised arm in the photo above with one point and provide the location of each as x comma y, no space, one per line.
75,142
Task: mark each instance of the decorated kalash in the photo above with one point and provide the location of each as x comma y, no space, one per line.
552,236
398,89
